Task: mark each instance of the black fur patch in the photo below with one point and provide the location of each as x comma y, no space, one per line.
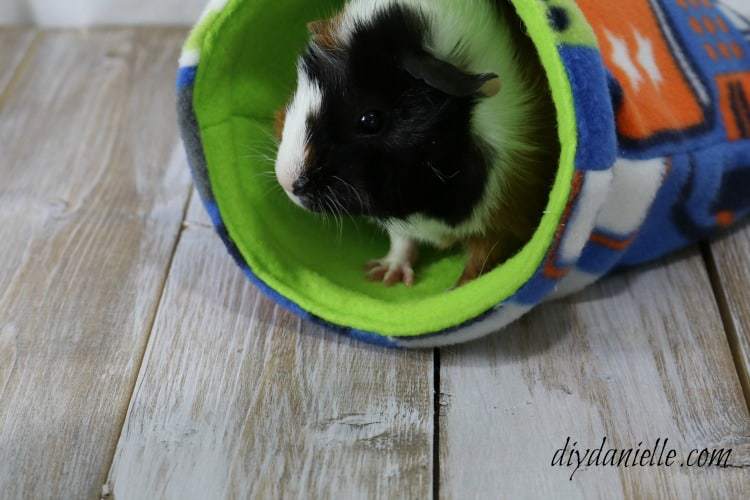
423,161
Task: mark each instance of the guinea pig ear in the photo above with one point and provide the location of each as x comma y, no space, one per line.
449,79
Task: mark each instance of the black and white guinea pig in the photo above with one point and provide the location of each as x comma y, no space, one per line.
431,117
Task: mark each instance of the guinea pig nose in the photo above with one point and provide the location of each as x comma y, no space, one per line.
300,186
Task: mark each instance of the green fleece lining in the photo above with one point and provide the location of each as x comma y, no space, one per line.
247,71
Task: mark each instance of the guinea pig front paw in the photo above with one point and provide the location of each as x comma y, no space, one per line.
398,265
391,271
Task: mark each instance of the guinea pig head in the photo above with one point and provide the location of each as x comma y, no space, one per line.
381,127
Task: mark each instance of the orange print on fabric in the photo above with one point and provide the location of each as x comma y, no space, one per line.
656,95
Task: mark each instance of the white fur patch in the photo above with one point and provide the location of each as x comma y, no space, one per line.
290,161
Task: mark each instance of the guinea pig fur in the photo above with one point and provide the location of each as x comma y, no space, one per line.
431,117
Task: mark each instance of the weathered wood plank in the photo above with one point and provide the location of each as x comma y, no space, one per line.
83,13
240,399
91,202
639,357
731,259
14,45
196,214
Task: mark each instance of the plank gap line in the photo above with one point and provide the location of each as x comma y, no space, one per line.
152,323
436,426
730,329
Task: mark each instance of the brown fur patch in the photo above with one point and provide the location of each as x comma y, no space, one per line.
484,255
323,33
528,177
279,121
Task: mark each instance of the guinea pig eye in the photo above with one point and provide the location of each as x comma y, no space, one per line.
371,122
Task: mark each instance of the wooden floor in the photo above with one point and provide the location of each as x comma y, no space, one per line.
136,362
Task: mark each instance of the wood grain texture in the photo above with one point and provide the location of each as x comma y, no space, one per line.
639,357
101,12
14,45
730,258
240,399
196,213
91,203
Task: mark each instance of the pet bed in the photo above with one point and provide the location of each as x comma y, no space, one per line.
653,113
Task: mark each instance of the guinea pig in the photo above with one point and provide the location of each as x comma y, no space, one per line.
433,118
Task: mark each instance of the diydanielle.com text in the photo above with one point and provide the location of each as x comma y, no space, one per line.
657,454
